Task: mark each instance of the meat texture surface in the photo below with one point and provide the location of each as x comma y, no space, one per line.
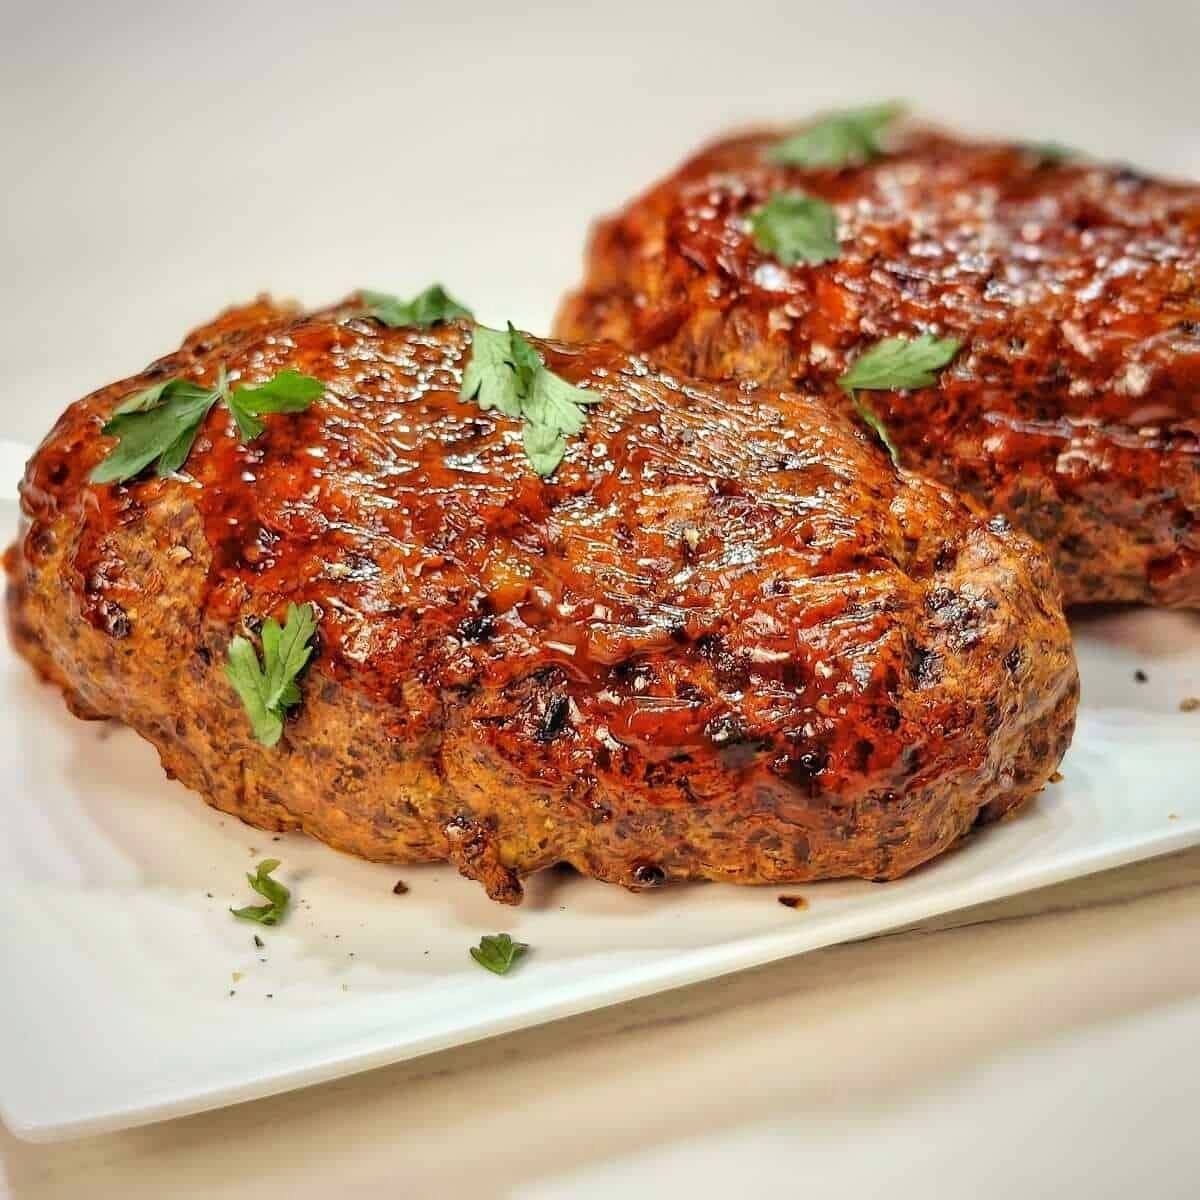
1074,405
726,640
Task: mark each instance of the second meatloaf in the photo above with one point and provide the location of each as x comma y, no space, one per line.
1073,404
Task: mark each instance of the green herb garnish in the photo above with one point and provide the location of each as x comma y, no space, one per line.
796,228
900,363
892,364
842,138
1050,153
430,307
277,896
160,423
875,421
506,373
269,690
497,952
285,392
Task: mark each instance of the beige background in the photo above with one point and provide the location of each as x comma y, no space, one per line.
161,160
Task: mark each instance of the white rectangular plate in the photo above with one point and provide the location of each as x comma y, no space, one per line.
130,994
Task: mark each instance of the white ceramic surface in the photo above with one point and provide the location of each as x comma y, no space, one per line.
117,886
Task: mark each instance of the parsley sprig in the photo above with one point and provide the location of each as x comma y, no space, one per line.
506,373
270,689
875,421
892,364
159,424
898,362
497,952
794,227
840,139
285,392
1050,153
276,894
430,307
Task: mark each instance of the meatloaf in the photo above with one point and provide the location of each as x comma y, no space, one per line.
1073,404
725,640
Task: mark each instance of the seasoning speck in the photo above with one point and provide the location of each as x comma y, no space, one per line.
1140,676
400,889
236,976
793,901
1172,816
1190,704
258,941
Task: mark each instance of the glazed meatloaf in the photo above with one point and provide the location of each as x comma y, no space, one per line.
725,639
1072,406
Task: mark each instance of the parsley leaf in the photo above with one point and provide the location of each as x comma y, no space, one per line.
146,398
268,690
159,423
875,421
497,952
430,307
1050,153
285,392
525,360
900,363
892,364
544,447
506,373
841,138
796,228
490,377
277,896
554,403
